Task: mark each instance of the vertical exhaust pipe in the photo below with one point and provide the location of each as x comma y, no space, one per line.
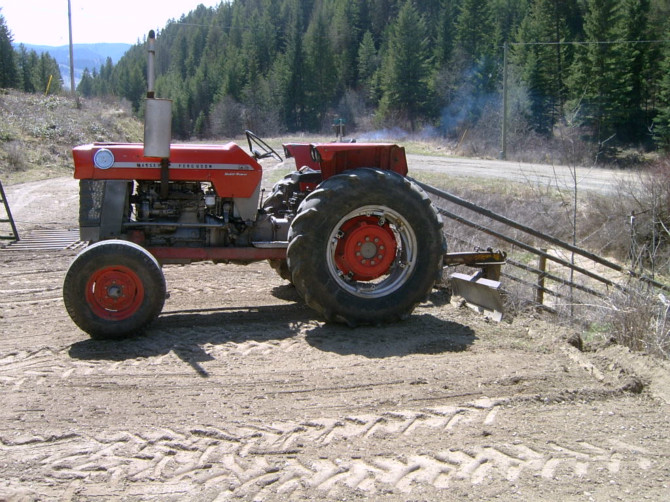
157,121
151,68
157,112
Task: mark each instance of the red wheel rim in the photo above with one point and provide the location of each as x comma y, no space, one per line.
114,293
365,249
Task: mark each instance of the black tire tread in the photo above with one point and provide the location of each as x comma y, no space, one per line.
318,214
106,253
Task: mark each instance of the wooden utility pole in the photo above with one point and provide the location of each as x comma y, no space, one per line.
503,140
73,88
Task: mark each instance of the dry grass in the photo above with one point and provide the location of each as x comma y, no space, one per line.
37,132
635,316
639,319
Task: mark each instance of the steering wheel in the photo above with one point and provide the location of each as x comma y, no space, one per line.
267,150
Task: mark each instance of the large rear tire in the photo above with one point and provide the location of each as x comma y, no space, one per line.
365,247
114,289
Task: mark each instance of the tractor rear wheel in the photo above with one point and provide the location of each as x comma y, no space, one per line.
114,289
365,247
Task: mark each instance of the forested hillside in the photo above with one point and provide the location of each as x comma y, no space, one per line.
24,69
601,67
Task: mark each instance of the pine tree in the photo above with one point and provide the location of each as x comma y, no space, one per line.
345,37
474,30
381,14
506,15
476,56
262,115
105,84
85,87
291,68
46,75
26,60
631,72
662,120
9,75
446,32
406,69
132,84
368,64
321,87
594,79
544,60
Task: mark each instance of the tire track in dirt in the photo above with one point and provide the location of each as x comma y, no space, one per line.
266,461
18,285
239,391
30,293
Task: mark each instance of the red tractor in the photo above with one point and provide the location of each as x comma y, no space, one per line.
361,243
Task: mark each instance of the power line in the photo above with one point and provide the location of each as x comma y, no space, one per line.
594,42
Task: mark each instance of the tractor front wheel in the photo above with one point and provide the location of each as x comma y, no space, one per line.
365,247
114,289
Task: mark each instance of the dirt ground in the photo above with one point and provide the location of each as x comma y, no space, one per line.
240,392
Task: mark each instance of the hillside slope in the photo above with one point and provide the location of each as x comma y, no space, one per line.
38,132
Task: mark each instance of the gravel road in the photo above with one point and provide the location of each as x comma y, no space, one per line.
605,181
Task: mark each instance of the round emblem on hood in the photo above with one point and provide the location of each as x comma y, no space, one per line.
103,159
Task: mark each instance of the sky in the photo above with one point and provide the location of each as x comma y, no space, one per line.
45,22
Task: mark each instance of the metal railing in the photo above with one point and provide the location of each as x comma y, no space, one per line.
542,252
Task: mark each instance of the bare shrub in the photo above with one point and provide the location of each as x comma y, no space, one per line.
565,146
529,205
635,317
262,120
16,156
639,320
483,138
260,113
226,118
604,225
649,214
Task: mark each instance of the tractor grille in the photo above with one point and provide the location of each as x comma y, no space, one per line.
91,193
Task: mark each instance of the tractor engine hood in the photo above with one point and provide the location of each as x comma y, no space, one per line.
232,172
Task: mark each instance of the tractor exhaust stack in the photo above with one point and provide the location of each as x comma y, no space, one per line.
157,113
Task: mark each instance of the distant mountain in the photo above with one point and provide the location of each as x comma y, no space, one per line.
91,56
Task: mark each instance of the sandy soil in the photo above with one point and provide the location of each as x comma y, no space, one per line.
239,391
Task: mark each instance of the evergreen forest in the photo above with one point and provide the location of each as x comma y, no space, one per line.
435,67
24,69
